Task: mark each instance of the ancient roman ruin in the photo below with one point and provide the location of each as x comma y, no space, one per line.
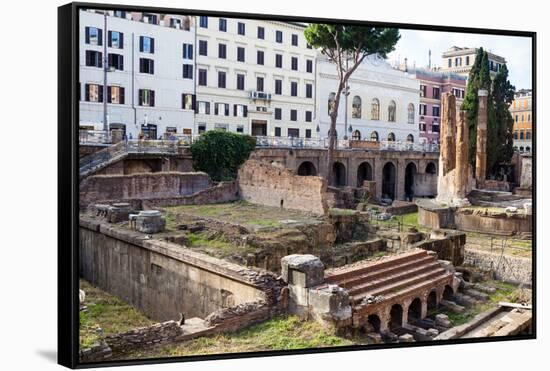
201,257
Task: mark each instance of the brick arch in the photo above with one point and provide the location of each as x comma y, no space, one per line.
307,168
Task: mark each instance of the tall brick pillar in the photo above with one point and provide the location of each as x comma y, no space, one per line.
462,144
481,143
448,132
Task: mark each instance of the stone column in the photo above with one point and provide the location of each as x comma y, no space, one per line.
462,144
481,143
448,131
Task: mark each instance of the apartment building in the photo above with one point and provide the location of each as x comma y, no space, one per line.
459,60
149,59
255,77
521,110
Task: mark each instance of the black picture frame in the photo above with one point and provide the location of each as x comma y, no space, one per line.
68,181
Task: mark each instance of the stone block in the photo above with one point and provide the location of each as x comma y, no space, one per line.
303,270
150,221
406,338
442,320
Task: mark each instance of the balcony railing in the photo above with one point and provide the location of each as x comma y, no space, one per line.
254,94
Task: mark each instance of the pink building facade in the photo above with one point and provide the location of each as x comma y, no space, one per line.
433,84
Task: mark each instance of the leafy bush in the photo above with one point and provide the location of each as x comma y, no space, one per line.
220,153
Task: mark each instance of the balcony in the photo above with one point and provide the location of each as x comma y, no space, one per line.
255,95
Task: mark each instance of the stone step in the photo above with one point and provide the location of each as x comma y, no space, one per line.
397,276
397,287
371,276
340,274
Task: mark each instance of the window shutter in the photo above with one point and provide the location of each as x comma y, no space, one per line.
87,37
234,110
152,67
87,92
88,58
245,111
195,106
109,100
216,109
193,101
227,109
183,101
100,37
121,89
100,59
141,43
152,46
121,38
152,98
207,110
100,95
140,99
109,38
121,62
190,51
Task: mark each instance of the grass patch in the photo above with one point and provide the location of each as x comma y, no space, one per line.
106,314
279,333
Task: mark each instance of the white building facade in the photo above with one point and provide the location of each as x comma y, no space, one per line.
381,105
151,72
254,77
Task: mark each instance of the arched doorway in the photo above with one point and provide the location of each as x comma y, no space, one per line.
388,181
448,293
410,172
364,172
375,322
415,311
396,317
432,300
410,138
307,168
430,168
338,174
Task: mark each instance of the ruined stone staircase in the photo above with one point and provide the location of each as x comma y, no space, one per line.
101,159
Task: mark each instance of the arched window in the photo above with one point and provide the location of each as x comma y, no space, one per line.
375,109
391,137
410,114
331,98
374,136
391,111
521,135
527,149
527,135
521,149
410,138
356,135
356,107
515,135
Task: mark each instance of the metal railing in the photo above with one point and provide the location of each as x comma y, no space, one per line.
94,137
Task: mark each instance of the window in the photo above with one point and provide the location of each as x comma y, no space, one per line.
241,28
450,64
222,127
391,137
203,47
435,111
115,39
240,129
410,138
308,133
294,39
293,115
260,57
529,117
467,60
279,36
309,46
528,135
146,44
188,101
515,135
204,108
294,63
374,136
293,133
278,113
116,61
294,88
203,22
261,33
221,109
279,60
375,109
94,59
115,94
277,131
278,87
435,127
240,81
146,97
309,91
188,71
240,110
410,114
93,93
309,116
309,66
521,135
147,65
458,62
422,126
356,135
201,128
94,36
356,107
391,111
422,91
223,25
522,118
120,14
187,51
222,51
150,18
422,108
517,118
221,79
240,54
436,93
202,77
259,83
331,98
175,23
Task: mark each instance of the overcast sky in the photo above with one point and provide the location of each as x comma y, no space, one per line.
415,45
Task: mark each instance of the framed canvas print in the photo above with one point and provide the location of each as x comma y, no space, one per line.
236,185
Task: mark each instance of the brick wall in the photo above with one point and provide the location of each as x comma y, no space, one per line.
141,337
271,185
